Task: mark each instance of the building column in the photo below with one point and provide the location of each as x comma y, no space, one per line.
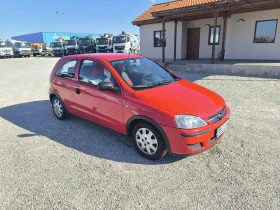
163,43
224,36
215,13
175,38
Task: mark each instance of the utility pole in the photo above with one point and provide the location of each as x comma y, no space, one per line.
58,16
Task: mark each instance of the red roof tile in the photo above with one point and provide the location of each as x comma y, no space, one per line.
147,15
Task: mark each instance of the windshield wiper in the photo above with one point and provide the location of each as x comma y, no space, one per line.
163,82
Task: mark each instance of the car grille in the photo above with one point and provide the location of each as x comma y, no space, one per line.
7,51
119,47
71,50
102,48
219,116
25,51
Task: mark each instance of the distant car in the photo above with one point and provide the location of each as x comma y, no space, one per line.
137,97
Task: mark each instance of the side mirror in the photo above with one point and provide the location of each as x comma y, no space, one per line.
105,86
108,86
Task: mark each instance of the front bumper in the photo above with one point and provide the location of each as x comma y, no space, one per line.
187,142
25,53
3,54
102,50
121,51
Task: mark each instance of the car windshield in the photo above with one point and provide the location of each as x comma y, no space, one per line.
101,41
24,45
84,42
70,42
5,44
142,73
56,44
119,39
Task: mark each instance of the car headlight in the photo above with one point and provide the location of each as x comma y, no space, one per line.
189,121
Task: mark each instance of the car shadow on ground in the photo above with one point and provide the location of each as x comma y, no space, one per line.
87,137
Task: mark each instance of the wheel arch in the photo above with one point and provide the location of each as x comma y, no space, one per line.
139,118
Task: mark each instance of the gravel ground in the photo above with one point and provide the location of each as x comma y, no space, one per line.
76,164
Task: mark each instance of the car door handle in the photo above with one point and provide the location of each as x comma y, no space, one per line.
78,91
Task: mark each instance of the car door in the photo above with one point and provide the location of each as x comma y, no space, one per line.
104,107
63,83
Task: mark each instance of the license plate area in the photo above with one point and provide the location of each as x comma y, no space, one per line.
222,129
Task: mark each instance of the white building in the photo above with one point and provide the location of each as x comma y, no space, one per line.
245,29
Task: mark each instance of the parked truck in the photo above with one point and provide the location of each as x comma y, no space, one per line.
42,49
126,43
6,49
71,47
57,49
104,43
21,49
87,45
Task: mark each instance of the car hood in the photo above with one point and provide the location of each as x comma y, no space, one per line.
183,97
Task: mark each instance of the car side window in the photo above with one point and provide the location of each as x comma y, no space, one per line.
67,70
93,72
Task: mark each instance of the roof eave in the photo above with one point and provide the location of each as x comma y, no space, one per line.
145,22
212,5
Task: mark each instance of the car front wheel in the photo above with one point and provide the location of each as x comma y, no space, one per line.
148,141
59,109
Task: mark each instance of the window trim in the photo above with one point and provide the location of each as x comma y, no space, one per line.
93,85
161,32
77,61
209,35
254,38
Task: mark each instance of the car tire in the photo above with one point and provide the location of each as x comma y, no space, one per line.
59,109
148,141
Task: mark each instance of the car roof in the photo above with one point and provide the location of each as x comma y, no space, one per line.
107,56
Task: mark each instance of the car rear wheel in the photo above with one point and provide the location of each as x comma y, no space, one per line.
148,141
59,109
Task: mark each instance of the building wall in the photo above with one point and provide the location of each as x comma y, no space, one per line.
51,36
147,41
240,37
35,37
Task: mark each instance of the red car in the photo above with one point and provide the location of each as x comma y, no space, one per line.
137,97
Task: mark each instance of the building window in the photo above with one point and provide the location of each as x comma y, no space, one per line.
265,31
211,35
159,36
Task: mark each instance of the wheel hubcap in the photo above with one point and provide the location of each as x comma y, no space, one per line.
57,107
146,141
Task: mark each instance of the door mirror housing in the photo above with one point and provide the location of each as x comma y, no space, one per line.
105,86
108,86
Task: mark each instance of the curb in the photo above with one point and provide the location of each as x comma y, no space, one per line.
226,69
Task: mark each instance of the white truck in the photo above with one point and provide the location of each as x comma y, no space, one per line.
21,49
126,43
57,49
6,49
104,43
71,47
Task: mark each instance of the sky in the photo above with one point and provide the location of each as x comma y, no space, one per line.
20,17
